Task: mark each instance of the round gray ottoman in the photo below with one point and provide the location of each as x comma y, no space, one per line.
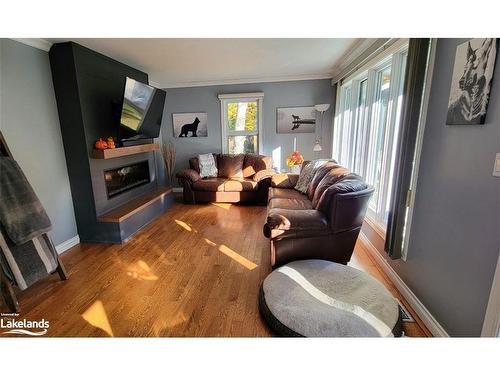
317,298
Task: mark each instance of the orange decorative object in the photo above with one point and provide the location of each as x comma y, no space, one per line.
295,159
111,143
101,144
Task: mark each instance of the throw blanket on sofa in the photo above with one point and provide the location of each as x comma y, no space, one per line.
21,213
307,173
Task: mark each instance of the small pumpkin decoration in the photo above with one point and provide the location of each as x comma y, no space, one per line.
111,143
100,144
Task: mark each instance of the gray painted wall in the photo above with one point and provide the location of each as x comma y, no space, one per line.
276,94
455,235
29,122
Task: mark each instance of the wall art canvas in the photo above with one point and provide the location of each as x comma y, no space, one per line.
296,120
190,124
471,81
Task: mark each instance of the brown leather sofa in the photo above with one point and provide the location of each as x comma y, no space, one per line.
322,224
241,178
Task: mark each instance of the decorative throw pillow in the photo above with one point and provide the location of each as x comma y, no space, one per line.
307,174
207,165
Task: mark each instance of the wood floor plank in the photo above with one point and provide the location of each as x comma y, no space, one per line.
195,271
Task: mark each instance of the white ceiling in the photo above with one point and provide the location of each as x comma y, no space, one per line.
196,62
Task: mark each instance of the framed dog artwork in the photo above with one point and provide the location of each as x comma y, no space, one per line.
471,81
295,120
190,124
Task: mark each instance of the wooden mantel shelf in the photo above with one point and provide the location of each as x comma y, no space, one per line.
118,152
128,209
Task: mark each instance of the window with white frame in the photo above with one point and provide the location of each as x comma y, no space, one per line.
367,125
241,121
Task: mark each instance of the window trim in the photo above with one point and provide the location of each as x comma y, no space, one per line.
229,98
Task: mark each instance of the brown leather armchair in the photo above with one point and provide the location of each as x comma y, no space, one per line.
241,178
324,223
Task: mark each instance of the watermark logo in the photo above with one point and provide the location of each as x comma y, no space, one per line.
10,324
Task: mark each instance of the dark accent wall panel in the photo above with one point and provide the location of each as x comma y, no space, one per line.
66,90
89,89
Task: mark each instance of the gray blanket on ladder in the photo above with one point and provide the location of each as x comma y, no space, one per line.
27,254
21,213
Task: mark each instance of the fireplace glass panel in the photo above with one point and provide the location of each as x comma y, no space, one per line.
120,180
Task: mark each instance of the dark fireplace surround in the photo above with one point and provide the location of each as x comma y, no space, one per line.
86,85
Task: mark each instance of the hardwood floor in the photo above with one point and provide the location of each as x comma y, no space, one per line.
195,271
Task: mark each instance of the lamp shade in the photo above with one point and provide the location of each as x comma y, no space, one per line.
317,147
322,107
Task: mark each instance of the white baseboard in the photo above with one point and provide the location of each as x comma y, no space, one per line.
430,322
177,189
68,244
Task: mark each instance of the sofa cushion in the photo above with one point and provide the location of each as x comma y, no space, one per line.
253,163
194,163
209,184
331,178
318,176
290,204
240,184
285,193
230,165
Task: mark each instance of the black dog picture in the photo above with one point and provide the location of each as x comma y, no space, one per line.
187,125
193,128
471,82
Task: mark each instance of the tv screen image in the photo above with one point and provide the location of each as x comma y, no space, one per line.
136,100
142,110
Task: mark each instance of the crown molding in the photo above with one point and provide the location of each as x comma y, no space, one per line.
154,84
35,42
359,48
306,77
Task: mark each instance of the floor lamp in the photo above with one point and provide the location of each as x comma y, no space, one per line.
321,108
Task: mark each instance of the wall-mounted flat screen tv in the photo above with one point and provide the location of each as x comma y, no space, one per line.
142,111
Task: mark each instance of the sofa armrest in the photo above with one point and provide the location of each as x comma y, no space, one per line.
261,175
284,180
188,174
280,220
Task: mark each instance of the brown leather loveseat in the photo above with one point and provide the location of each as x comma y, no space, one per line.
241,178
322,224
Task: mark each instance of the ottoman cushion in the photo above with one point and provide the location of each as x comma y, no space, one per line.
317,298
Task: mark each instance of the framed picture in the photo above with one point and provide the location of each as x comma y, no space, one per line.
471,82
190,124
295,120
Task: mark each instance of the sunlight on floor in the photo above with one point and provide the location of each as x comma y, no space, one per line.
237,257
225,206
162,327
183,225
97,317
141,271
210,242
233,255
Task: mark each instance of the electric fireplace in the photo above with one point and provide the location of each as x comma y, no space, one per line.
128,177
